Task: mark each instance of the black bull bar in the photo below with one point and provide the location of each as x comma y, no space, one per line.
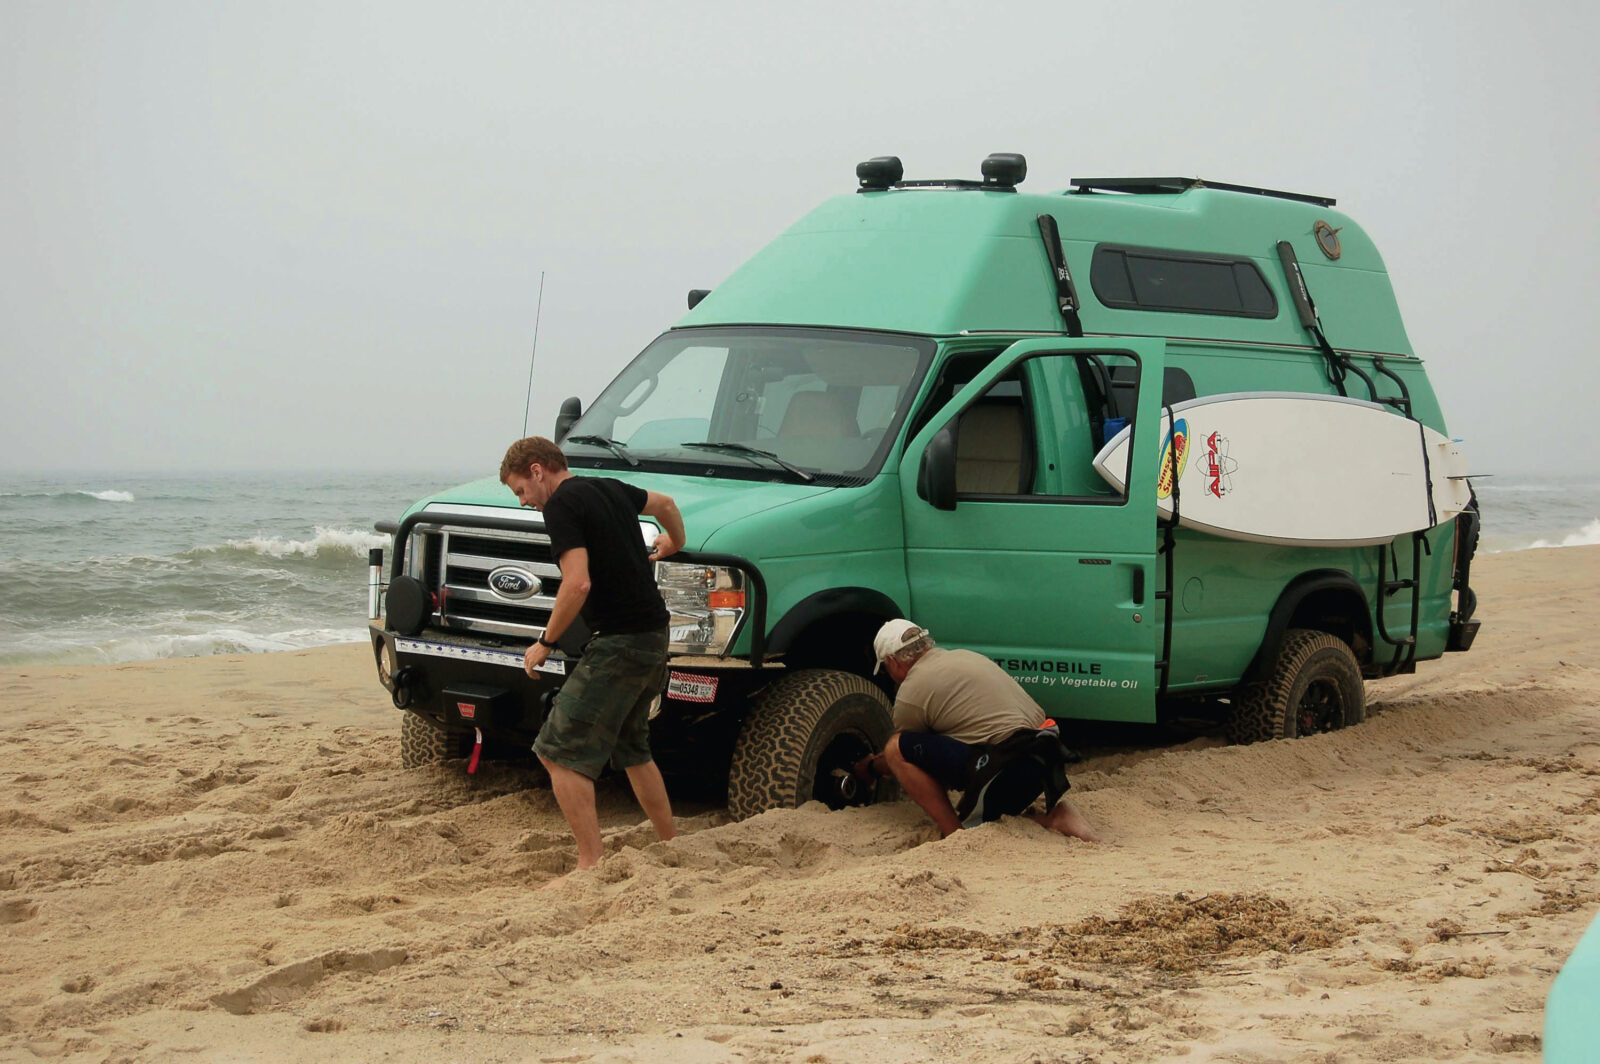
755,582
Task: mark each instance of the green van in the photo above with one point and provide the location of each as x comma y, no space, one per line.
892,410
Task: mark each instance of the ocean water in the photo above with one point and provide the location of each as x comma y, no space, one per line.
116,567
119,567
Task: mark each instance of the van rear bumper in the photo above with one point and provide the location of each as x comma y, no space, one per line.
1462,633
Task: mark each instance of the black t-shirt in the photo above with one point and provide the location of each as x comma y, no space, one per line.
602,516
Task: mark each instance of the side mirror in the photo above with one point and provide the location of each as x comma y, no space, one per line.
696,295
571,411
936,476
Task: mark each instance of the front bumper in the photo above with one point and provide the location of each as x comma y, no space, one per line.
466,683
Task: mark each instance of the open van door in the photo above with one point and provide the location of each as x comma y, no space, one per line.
1018,549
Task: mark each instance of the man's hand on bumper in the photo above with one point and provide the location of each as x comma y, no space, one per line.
536,656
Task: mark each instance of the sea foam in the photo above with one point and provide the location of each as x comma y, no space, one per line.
145,646
333,541
109,495
1587,536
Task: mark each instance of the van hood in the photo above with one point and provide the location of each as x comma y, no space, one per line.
707,504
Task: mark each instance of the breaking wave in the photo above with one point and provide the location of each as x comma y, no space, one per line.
1587,536
109,495
143,647
337,543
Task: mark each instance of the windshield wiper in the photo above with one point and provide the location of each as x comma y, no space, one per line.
602,441
745,448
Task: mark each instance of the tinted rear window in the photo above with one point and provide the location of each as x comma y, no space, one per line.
1152,279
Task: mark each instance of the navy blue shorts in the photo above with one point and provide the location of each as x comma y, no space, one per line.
943,758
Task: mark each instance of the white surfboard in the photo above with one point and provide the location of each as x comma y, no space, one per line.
1300,470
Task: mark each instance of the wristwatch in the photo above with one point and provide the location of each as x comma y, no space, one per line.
549,645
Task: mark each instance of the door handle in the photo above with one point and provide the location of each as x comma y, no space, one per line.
1138,586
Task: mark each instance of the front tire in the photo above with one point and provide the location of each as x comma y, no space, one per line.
808,728
1314,686
425,743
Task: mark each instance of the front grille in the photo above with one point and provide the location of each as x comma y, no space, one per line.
534,549
457,567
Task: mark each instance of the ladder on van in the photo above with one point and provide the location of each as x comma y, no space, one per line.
1405,646
1169,541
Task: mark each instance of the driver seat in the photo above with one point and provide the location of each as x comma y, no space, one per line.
819,414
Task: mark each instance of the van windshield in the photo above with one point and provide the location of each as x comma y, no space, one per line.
823,404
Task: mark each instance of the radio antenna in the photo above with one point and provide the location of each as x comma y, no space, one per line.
527,406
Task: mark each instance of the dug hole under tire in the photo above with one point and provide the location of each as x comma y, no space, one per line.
801,739
1314,686
422,743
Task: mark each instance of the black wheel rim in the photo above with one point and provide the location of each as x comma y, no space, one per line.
1321,708
835,786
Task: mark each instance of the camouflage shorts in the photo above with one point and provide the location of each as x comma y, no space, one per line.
602,713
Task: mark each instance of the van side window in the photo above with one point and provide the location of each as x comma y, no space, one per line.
1126,278
953,375
1035,432
1176,387
995,444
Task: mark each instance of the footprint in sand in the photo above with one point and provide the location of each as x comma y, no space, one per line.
18,911
294,980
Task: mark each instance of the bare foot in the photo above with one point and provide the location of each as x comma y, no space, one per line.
1068,821
576,875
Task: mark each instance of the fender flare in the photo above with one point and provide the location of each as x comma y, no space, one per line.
823,604
1298,590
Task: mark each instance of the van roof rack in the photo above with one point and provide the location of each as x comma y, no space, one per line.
1175,185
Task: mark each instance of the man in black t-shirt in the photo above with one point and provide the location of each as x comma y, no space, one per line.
601,714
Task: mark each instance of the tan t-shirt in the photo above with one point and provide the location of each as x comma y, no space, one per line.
964,695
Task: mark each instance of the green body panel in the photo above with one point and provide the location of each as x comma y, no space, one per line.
1225,590
942,262
707,504
848,537
1044,584
1217,368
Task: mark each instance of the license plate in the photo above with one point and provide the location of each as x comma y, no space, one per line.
687,688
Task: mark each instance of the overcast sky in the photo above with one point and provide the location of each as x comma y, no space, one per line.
310,235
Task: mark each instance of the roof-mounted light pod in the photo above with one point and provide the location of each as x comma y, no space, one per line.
1004,169
879,172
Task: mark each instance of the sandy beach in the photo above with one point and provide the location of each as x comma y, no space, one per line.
220,859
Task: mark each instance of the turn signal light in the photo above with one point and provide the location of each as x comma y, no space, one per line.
725,600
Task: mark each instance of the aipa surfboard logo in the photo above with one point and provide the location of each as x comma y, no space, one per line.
1219,468
1174,455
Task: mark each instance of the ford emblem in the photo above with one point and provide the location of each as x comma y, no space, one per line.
513,582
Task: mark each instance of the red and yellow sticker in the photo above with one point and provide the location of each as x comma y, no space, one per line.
1174,455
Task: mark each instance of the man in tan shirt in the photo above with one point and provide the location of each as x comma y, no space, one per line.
948,702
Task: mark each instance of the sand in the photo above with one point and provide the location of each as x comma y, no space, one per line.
220,859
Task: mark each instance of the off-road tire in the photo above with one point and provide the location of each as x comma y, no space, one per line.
423,743
1315,686
777,755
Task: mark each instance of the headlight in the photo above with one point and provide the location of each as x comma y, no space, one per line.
707,603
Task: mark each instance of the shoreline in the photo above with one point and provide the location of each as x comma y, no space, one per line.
220,857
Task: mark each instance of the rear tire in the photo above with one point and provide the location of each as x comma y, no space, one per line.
807,728
1315,686
425,743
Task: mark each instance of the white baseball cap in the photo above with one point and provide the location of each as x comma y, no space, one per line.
891,637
